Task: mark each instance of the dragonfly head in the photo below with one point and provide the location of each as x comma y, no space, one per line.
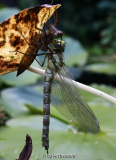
59,45
55,32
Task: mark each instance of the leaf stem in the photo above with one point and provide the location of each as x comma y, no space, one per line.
80,85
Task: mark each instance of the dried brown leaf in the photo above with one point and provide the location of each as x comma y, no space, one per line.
10,34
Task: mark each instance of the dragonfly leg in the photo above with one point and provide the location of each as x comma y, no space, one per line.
23,36
29,54
47,25
42,62
46,55
44,32
55,18
24,53
46,149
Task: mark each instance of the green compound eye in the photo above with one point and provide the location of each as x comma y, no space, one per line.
58,42
63,42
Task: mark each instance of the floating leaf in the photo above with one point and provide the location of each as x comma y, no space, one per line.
105,68
26,78
74,52
14,99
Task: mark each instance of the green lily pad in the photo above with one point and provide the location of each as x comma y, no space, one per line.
14,99
105,68
23,100
17,129
63,142
25,78
103,109
31,122
53,112
74,52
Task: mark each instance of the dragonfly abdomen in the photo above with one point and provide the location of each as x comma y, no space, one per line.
48,78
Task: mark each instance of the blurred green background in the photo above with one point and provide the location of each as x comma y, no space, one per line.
89,32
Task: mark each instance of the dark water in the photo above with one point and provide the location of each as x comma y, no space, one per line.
87,78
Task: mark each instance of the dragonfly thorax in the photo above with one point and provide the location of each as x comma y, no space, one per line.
56,62
56,59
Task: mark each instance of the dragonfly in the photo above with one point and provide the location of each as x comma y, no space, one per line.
64,94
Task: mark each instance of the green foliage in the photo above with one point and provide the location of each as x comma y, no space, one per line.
108,40
27,3
92,22
2,6
86,18
95,50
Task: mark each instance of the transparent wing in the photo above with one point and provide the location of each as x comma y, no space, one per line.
67,99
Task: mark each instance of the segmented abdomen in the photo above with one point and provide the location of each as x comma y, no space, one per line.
48,78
